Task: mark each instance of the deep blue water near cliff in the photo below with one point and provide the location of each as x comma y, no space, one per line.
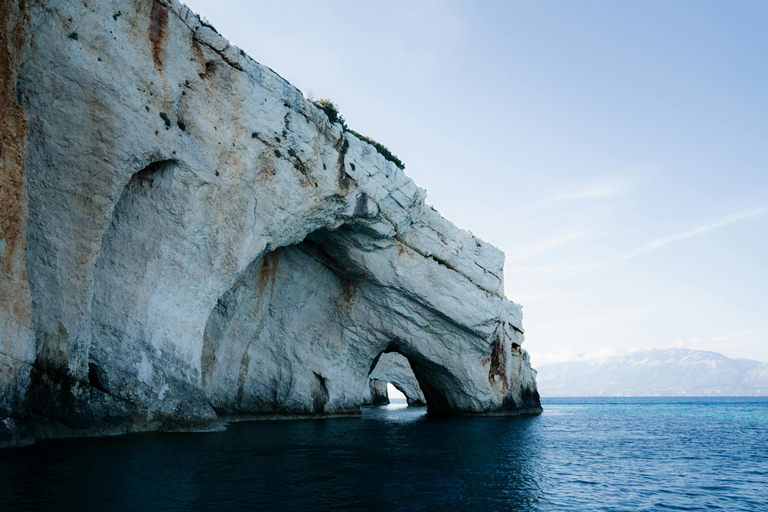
581,454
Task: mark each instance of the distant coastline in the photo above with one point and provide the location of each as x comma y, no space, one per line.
656,373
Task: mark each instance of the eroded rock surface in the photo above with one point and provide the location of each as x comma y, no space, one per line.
200,242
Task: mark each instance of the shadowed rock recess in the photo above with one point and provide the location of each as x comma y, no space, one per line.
186,239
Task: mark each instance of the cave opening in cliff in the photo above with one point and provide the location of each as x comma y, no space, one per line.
295,331
392,379
381,393
305,325
394,394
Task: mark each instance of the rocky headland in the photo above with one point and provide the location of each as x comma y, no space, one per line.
187,240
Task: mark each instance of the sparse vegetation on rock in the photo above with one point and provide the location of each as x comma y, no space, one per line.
381,148
332,111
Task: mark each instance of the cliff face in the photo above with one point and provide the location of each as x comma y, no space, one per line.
201,242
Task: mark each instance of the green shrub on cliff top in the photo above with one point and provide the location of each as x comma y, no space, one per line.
332,111
381,148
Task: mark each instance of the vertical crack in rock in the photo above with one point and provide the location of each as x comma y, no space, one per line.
93,377
361,205
242,374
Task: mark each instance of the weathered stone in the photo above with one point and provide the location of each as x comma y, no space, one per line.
199,243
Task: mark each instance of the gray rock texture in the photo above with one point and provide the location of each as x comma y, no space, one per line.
186,238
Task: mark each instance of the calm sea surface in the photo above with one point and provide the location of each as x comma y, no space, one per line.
580,455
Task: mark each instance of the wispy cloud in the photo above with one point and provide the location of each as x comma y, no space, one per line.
566,353
580,208
661,242
723,342
560,271
406,20
526,251
534,273
610,188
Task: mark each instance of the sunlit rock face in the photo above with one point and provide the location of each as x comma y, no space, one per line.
192,239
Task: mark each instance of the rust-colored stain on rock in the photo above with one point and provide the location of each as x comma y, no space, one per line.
14,294
242,374
158,23
402,252
268,270
265,168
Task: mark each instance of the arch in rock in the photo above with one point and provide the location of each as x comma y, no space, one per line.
276,342
395,368
301,329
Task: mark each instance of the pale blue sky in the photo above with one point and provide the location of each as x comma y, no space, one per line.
616,151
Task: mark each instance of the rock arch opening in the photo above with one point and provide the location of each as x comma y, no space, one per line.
380,393
393,369
307,329
395,395
150,285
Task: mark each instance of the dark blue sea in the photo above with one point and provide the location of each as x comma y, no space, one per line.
591,454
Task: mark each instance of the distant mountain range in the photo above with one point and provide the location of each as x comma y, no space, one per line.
672,372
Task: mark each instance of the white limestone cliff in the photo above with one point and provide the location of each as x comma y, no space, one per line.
187,238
